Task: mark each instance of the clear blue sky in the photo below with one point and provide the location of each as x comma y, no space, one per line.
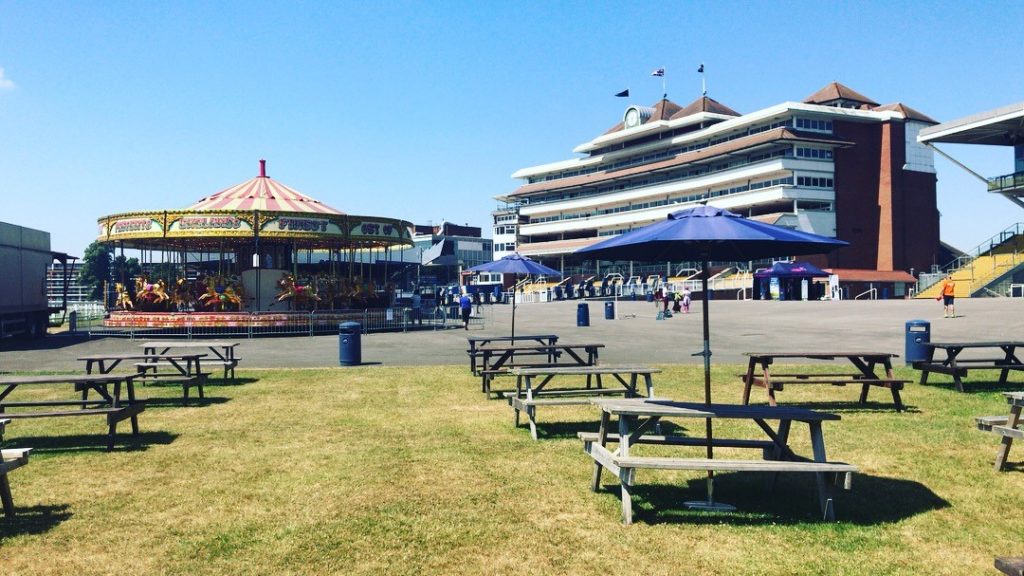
422,110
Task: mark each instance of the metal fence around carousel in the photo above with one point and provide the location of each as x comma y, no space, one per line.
297,323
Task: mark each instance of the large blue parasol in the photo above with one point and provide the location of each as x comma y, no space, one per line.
515,263
706,233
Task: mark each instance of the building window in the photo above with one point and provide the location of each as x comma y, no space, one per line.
814,153
814,182
814,124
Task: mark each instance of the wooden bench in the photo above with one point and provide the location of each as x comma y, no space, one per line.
759,372
148,371
108,405
957,367
1007,427
223,351
10,460
1010,566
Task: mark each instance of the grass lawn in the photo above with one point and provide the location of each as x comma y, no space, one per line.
378,470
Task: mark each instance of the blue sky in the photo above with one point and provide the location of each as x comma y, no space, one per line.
422,110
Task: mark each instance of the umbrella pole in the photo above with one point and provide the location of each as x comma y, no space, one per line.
710,503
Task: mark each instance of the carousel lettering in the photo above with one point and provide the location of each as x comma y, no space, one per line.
302,225
207,222
141,225
370,229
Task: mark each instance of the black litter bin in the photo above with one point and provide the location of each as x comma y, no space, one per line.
582,314
918,333
609,310
350,349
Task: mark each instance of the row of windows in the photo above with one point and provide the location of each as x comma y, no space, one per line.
813,182
814,124
675,176
504,230
664,154
508,247
814,153
506,218
692,197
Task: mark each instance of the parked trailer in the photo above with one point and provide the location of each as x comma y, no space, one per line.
24,258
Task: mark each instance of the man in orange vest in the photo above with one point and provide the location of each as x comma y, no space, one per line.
947,297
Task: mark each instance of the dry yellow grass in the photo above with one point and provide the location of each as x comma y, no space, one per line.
379,470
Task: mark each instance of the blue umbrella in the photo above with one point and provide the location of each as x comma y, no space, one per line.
707,233
515,263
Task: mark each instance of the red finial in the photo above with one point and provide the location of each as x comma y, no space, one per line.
263,168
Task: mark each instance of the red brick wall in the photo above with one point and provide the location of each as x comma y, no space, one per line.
857,170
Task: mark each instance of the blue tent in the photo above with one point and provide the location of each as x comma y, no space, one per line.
791,270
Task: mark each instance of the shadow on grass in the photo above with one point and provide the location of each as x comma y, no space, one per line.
555,430
80,443
873,500
177,402
980,386
33,520
212,381
852,406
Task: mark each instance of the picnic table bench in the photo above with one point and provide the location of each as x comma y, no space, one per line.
498,360
1009,427
108,404
955,366
476,342
531,387
1010,566
638,417
186,368
759,373
223,351
10,459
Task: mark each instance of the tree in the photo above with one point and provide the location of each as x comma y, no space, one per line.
95,269
125,269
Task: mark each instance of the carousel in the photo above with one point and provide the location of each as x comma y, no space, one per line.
255,253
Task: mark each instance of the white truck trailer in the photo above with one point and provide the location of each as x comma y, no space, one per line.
24,258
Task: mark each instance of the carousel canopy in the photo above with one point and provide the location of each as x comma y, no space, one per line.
263,193
258,210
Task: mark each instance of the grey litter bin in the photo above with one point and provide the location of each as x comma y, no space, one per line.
582,314
609,310
350,349
918,333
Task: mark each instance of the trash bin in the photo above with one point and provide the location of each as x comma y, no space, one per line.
609,310
919,333
650,296
349,344
582,314
73,321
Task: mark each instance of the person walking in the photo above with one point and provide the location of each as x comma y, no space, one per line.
948,291
686,300
466,306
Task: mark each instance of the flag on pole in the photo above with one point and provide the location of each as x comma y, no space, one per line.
623,94
701,69
658,72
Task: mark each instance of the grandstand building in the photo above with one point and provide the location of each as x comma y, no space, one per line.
837,164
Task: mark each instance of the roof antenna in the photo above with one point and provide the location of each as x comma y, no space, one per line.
263,168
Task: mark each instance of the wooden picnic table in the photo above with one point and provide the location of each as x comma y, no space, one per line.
759,373
223,351
637,418
109,403
496,360
10,459
476,342
187,368
531,387
957,367
1009,427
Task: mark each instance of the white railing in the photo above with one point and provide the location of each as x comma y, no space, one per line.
872,293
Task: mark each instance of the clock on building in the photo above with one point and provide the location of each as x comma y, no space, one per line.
632,118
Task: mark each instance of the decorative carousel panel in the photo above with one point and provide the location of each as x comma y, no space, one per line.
131,226
210,224
301,227
378,230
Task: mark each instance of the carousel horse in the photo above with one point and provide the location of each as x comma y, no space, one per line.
181,295
218,296
149,292
122,300
297,293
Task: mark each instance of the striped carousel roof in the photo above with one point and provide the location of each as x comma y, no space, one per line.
263,193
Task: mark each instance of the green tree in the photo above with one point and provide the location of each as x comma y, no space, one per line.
95,269
125,269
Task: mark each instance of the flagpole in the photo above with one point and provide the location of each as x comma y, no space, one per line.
664,91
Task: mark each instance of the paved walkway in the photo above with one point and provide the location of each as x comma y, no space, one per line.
736,327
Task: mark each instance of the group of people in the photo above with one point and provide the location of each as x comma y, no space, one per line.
680,301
